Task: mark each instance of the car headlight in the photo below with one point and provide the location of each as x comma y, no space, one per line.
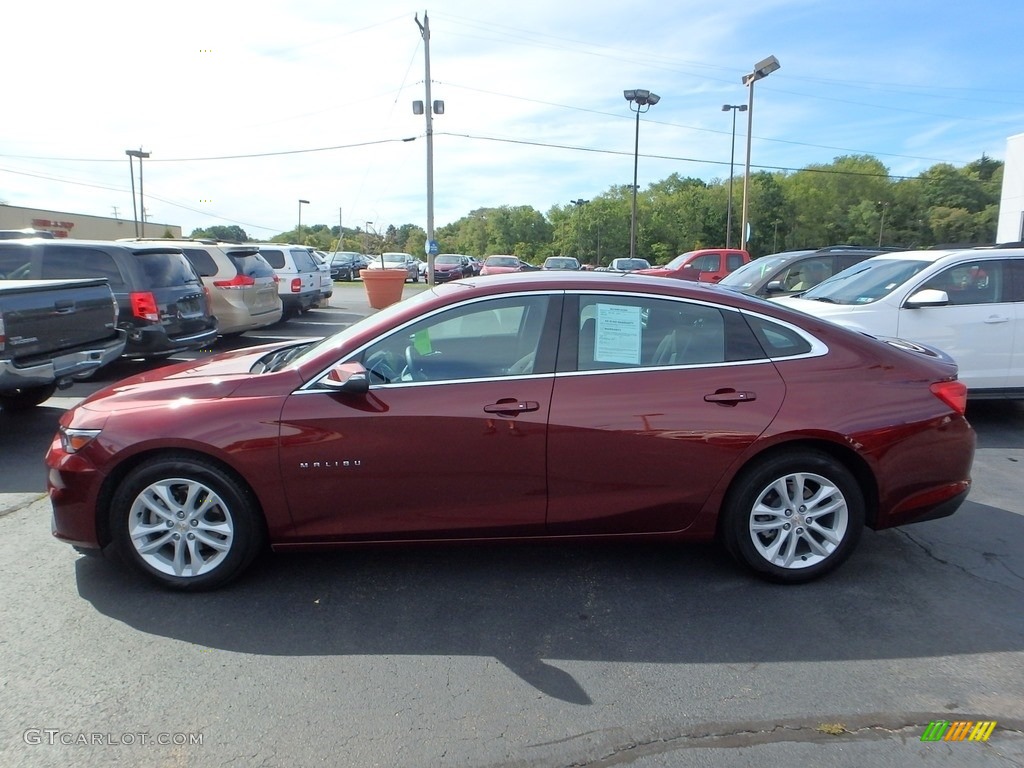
73,440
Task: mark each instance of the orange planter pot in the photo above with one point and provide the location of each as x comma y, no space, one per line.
383,286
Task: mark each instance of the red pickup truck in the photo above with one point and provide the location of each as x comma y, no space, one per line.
708,265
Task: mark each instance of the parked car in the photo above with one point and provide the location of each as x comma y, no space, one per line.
501,264
476,264
451,266
708,265
345,265
52,332
312,443
242,284
323,264
397,260
298,276
969,303
783,274
163,306
561,262
628,265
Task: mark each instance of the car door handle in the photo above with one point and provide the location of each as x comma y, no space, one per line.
512,407
730,397
993,319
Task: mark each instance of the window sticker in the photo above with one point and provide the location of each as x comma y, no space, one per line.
618,334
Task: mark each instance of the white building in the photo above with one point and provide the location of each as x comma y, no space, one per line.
1011,201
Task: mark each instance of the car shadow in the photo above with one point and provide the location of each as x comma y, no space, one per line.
943,588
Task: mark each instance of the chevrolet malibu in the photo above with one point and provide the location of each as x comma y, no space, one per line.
725,404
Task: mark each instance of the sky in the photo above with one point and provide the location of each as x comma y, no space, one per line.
244,113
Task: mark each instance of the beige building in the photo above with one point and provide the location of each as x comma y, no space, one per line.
79,225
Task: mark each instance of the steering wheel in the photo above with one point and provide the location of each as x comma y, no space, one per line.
381,366
414,364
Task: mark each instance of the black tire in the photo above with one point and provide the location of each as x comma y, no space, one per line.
213,529
821,533
27,397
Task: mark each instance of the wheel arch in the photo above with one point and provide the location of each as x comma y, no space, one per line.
849,458
122,470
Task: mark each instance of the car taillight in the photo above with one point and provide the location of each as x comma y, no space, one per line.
144,306
209,299
952,393
277,279
3,333
296,285
238,281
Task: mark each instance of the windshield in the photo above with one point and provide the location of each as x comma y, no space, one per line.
628,264
338,340
679,260
866,282
446,259
502,261
753,271
396,258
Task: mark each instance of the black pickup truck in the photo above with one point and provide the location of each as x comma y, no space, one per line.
51,333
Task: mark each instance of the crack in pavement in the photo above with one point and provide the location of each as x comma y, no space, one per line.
736,735
927,550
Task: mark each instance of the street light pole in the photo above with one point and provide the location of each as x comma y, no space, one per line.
732,159
579,245
298,230
761,70
644,100
142,200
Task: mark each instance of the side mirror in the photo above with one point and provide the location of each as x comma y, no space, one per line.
929,297
347,377
775,286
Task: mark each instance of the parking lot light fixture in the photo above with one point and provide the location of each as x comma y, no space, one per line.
761,70
644,100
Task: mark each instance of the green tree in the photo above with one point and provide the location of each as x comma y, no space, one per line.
229,234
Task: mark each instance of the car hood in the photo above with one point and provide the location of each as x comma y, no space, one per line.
209,378
858,317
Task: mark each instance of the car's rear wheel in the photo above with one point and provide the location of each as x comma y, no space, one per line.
185,523
27,397
794,517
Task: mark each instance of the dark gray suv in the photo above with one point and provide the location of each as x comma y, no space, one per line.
162,303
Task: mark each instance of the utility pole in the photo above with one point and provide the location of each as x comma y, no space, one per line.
429,108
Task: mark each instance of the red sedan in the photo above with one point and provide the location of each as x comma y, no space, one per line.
778,434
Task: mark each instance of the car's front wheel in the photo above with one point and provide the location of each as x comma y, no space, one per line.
793,517
185,523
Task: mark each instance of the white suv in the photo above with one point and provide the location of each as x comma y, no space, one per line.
968,303
299,276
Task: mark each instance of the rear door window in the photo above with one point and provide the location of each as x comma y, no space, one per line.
202,261
68,261
274,256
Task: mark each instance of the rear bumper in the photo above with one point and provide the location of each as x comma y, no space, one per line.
78,364
153,341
